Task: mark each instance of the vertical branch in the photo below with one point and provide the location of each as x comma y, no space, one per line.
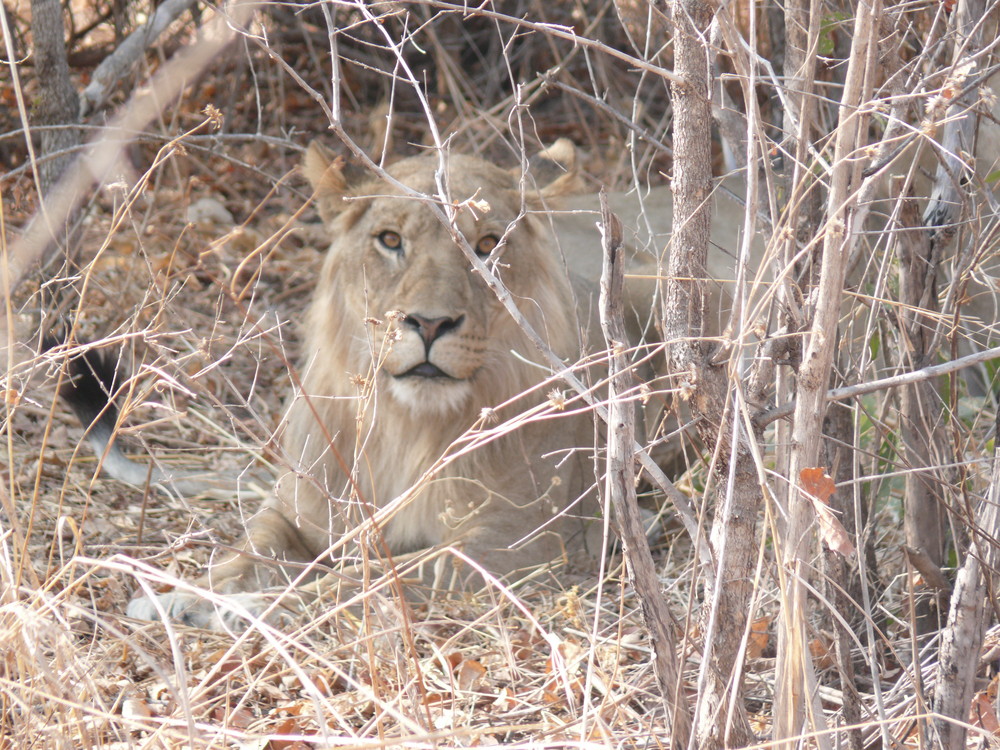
962,638
720,718
920,412
620,482
957,140
795,673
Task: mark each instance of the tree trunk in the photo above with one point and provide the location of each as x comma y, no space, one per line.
57,105
720,716
57,108
920,410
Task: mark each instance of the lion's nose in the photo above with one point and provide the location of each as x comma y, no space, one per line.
431,329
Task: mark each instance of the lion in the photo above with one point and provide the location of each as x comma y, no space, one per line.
426,435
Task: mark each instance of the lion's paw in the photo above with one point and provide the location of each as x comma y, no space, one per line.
227,612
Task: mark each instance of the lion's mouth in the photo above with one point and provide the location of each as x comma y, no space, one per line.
425,370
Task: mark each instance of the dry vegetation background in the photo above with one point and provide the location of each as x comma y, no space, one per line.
193,252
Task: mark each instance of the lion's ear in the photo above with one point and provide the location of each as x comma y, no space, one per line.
555,170
325,172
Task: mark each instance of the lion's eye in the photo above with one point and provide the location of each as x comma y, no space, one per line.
487,245
391,241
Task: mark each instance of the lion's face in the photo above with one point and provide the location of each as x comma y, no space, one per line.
444,343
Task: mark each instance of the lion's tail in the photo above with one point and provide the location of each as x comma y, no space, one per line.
89,389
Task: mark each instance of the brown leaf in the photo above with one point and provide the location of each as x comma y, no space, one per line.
505,699
760,637
822,651
817,483
468,673
136,708
241,718
286,727
819,487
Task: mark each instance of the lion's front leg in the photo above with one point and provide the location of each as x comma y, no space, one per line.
234,591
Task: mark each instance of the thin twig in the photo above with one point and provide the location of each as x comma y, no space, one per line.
906,378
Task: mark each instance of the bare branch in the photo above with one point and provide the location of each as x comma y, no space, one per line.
906,378
127,55
619,482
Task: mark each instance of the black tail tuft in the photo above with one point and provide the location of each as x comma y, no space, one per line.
90,384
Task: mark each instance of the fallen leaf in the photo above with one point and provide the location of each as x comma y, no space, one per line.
287,727
136,708
241,718
505,699
468,673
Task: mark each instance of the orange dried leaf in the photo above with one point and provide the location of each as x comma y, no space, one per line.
760,637
287,727
468,673
298,708
819,487
823,653
817,483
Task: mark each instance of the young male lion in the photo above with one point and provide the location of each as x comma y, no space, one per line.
423,438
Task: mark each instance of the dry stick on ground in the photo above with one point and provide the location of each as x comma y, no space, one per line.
619,485
728,584
795,680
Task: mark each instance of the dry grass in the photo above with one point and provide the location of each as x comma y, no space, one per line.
205,313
